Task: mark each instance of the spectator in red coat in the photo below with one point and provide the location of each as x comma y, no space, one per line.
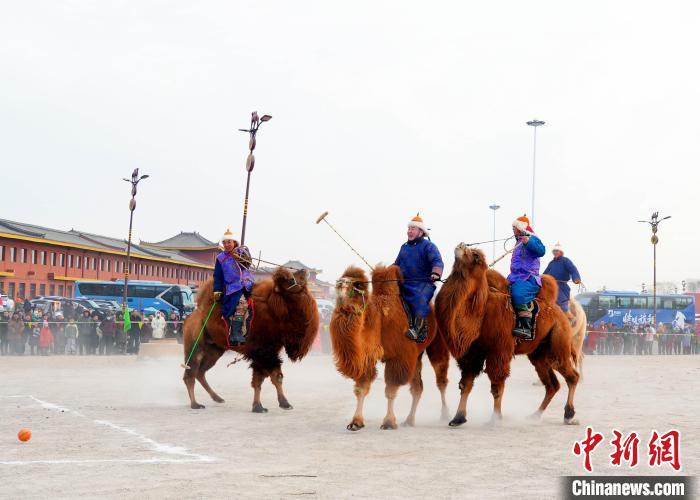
45,337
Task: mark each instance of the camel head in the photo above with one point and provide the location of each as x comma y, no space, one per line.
290,281
352,287
386,280
469,260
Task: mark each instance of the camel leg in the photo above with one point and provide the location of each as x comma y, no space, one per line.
209,360
471,365
439,357
572,377
256,383
416,392
390,418
498,370
276,378
189,378
362,387
549,380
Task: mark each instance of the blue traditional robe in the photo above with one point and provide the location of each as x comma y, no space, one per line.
524,277
563,270
418,259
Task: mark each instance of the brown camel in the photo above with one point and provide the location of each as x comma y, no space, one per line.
367,328
499,282
284,316
478,320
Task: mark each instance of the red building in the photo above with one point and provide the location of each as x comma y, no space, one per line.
37,261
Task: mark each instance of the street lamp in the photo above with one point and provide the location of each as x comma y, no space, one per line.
534,124
654,223
255,123
494,207
135,179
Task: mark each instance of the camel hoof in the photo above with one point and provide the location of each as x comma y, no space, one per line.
218,399
285,405
354,426
196,406
458,420
571,421
408,423
388,426
494,422
258,408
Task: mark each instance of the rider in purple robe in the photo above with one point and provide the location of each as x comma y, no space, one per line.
233,279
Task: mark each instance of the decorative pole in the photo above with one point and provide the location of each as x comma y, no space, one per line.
132,206
255,123
654,223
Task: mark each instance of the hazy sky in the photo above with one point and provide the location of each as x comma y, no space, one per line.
381,109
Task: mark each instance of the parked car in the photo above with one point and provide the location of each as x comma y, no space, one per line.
108,305
6,303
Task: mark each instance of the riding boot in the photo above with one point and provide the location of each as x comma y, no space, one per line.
412,332
421,328
235,331
523,328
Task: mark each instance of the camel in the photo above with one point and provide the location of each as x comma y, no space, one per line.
478,320
284,316
499,282
367,328
578,332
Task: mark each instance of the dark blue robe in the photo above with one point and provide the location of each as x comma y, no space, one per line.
418,259
563,270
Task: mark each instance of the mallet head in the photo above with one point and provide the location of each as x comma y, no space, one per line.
321,217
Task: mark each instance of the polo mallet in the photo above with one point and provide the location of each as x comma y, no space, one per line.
322,217
186,365
505,254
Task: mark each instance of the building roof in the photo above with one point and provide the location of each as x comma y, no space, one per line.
89,241
296,264
184,241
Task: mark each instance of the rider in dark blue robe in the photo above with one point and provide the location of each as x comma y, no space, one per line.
421,265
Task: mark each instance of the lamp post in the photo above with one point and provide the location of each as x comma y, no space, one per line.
135,179
534,124
494,207
255,123
654,223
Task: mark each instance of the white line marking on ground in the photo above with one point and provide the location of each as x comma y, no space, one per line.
187,456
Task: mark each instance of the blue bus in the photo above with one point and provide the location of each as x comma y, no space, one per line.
632,308
141,295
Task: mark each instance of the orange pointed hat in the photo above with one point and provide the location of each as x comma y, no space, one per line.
523,224
417,221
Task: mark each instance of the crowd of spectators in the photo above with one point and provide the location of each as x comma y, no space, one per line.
640,340
33,331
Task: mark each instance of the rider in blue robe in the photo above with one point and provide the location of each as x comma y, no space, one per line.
421,265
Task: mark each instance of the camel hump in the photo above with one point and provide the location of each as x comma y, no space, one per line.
549,290
386,279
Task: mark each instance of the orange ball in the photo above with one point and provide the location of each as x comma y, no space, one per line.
24,435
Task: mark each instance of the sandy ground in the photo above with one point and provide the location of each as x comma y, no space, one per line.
121,427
